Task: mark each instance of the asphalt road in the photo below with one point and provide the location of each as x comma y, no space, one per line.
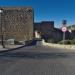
37,60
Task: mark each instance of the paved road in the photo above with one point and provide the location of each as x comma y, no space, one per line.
35,60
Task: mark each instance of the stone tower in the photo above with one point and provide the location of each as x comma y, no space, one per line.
17,23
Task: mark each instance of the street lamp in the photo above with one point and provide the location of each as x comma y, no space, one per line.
1,11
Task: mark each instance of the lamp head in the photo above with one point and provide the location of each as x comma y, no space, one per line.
1,11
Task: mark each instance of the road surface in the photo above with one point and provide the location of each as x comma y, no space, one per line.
37,60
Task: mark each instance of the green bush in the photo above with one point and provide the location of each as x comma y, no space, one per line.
73,41
50,41
65,42
17,42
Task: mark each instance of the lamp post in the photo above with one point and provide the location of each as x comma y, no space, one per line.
70,33
1,11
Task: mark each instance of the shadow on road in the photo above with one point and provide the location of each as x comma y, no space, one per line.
34,55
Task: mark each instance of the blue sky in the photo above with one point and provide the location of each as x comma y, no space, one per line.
55,10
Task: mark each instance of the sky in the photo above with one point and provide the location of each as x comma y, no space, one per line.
48,10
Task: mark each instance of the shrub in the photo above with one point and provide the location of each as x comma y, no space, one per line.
73,41
65,42
17,42
50,41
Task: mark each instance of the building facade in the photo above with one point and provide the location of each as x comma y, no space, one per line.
48,32
71,29
45,29
16,23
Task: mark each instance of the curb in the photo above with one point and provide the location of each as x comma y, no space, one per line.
59,47
12,49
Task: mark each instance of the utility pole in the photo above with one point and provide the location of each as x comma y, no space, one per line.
71,32
1,11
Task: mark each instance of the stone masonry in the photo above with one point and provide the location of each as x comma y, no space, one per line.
17,23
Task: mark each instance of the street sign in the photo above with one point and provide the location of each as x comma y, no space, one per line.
64,29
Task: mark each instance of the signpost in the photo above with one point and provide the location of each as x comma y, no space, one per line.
64,29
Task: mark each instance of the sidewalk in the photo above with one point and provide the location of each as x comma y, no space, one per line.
10,47
59,46
1,48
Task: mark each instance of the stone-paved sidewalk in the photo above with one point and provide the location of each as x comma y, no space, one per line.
9,47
